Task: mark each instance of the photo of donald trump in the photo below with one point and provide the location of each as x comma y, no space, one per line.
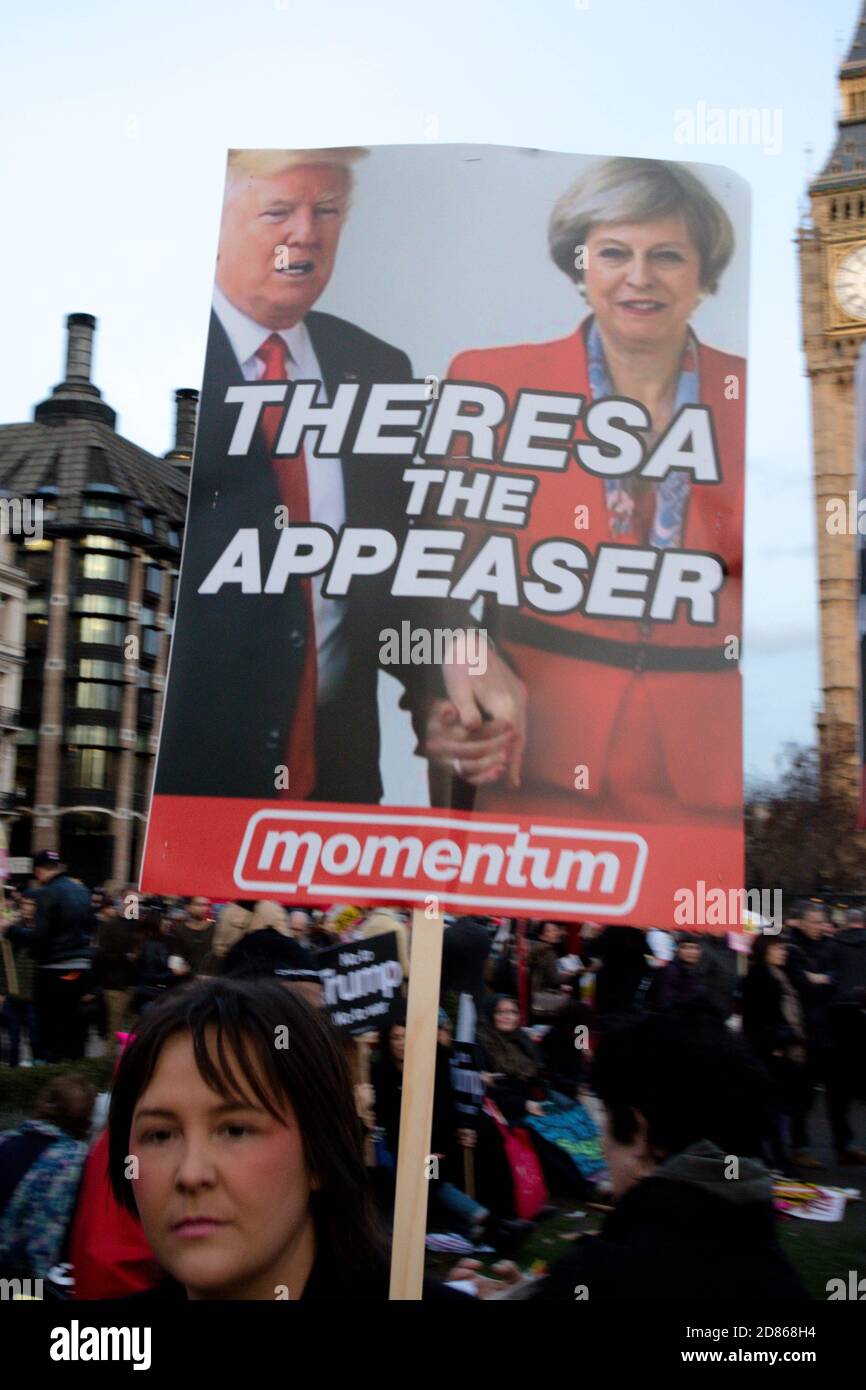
274,695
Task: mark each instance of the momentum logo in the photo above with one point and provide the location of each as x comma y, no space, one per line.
466,862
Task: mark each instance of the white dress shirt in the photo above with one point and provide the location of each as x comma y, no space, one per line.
324,476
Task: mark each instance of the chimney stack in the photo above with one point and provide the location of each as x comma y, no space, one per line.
186,413
79,346
76,397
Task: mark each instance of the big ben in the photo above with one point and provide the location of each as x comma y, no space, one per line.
832,246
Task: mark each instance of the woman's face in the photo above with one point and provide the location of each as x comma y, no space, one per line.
506,1017
642,280
223,1189
397,1043
551,933
777,953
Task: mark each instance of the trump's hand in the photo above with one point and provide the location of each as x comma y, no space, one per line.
495,697
478,757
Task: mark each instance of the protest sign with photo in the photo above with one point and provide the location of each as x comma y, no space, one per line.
465,534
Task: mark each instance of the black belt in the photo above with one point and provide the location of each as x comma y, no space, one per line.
634,656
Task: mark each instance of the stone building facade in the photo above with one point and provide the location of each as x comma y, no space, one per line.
101,575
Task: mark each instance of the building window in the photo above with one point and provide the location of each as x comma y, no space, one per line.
145,706
110,567
91,695
147,524
105,543
94,735
153,579
89,767
101,632
150,641
95,670
37,563
101,603
96,510
174,538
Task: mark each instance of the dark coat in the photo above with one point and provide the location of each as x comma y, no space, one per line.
387,1080
764,1024
64,922
237,658
510,1092
819,957
850,945
115,942
465,948
622,952
195,946
672,1240
152,973
681,986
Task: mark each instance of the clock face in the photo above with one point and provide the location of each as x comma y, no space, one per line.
850,283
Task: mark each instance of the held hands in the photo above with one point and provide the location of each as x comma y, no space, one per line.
479,731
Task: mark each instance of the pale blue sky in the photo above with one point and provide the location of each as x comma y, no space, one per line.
115,119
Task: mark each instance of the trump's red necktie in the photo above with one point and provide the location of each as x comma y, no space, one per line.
291,475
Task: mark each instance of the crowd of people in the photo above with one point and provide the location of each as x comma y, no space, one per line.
609,1066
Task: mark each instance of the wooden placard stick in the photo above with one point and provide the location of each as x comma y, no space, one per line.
416,1108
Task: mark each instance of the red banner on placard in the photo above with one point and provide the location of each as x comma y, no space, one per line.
528,865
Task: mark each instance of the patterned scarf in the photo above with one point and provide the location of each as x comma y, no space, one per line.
792,1013
511,1053
672,493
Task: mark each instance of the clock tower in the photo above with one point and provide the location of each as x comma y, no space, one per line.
832,247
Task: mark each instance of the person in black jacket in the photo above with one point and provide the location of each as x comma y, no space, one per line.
465,948
847,1027
685,1106
621,954
448,1204
693,1216
773,1026
681,987
813,967
113,965
152,972
60,942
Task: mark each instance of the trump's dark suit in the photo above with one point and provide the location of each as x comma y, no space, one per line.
237,658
